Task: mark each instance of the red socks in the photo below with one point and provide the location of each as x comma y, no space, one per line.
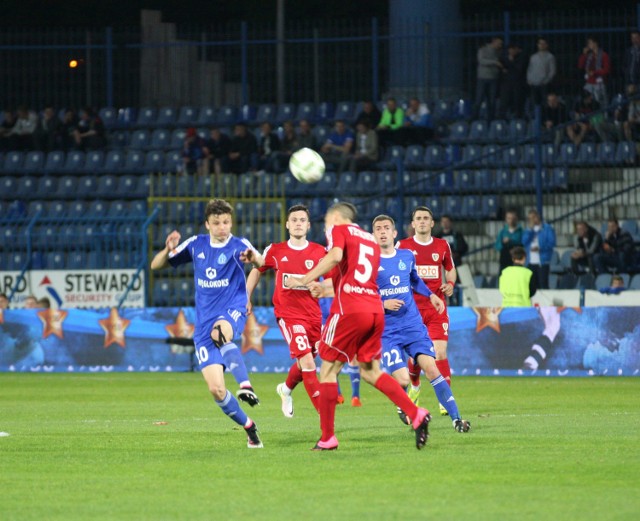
445,370
388,386
327,402
294,377
414,372
312,386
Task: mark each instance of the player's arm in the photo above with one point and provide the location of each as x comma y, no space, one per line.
420,287
450,278
251,256
161,259
252,281
321,289
328,262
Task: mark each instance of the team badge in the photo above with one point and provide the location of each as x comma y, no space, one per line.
395,280
222,259
435,256
402,266
308,264
210,273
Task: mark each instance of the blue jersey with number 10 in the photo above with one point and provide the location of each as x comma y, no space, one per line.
219,278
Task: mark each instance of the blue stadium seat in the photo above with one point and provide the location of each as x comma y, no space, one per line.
453,205
146,117
58,209
126,117
606,153
56,260
34,207
34,162
435,156
346,182
345,111
94,161
172,161
528,155
492,155
16,260
154,161
511,156
555,265
478,131
471,156
87,186
630,226
587,154
414,157
392,156
367,183
550,155
177,138
248,113
109,117
114,161
326,186
54,162
26,187
285,112
140,139
443,111
227,115
560,178
471,207
517,130
166,117
160,139
134,162
13,162
67,187
504,179
268,183
498,131
107,186
306,111
76,260
635,282
118,208
490,206
75,162
484,179
165,186
325,112
626,153
266,112
188,117
523,179
117,259
461,109
77,209
568,154
565,260
138,208
98,208
459,131
320,132
464,180
443,181
47,187
119,139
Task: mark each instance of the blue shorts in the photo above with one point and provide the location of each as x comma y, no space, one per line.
398,345
206,351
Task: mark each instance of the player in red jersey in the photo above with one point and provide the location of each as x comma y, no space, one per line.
432,257
297,312
354,327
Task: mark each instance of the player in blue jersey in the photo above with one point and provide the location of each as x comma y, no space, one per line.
404,332
221,305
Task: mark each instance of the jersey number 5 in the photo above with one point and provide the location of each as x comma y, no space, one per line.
365,263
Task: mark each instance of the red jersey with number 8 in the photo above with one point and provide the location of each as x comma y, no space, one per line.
354,278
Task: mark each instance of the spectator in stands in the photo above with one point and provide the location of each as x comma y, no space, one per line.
539,239
616,286
611,126
89,133
554,113
489,69
588,242
306,139
418,126
370,113
631,126
217,151
391,121
509,237
6,138
597,67
514,79
31,302
583,124
67,130
44,303
455,239
541,72
4,301
617,250
24,128
46,134
517,283
288,145
193,153
338,148
366,148
243,154
632,61
268,147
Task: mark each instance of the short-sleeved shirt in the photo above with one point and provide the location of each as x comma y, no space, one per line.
288,260
219,278
340,139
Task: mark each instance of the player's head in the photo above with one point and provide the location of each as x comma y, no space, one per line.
217,219
518,255
384,230
4,301
340,213
298,221
422,221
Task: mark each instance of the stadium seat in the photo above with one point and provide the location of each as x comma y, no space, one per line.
114,161
140,139
134,162
528,155
166,118
443,111
504,179
34,207
567,281
490,206
13,162
498,131
109,117
325,112
565,260
118,208
67,187
626,153
87,186
54,162
555,266
248,113
138,208
346,182
226,116
606,153
146,117
471,156
585,281
33,162
177,138
75,162
550,154
119,139
98,208
107,186
587,154
160,139
94,161
76,260
414,157
392,156
306,111
77,209
478,131
471,207
435,157
47,187
523,179
568,154
26,187
367,183
188,117
517,129
320,132
266,112
453,205
458,131
345,112
172,161
464,180
126,117
492,155
154,161
630,226
511,156
635,282
484,179
56,260
326,186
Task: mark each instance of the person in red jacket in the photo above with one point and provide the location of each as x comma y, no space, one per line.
597,67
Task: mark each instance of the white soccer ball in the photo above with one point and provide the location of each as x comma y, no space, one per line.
306,165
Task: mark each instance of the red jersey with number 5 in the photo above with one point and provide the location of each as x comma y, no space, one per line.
354,278
291,261
431,257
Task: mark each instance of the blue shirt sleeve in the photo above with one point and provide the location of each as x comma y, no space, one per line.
417,284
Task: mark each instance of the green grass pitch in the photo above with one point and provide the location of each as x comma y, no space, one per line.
87,447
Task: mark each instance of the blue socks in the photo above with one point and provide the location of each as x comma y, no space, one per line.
354,375
235,363
231,408
443,392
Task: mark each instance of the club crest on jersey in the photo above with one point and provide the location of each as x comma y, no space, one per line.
222,259
210,273
402,266
395,280
308,264
435,257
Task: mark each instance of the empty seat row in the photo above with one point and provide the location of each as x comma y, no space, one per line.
88,186
57,260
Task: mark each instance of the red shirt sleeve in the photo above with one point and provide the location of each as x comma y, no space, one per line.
269,259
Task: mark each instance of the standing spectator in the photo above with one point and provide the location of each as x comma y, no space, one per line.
509,237
455,239
89,134
338,148
24,128
217,151
7,140
632,61
617,249
370,113
539,239
268,147
243,153
489,69
631,125
366,152
597,67
193,152
541,72
554,113
517,283
418,126
513,83
579,130
588,242
391,121
47,130
306,139
67,130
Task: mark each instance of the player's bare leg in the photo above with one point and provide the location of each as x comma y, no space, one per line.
328,400
442,362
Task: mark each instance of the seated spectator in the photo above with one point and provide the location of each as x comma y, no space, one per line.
366,148
66,140
31,302
617,250
554,113
45,136
288,145
588,242
243,154
392,120
44,303
369,114
616,286
306,139
611,126
587,105
539,240
193,153
217,151
509,237
89,134
632,125
418,126
338,148
23,129
4,301
268,147
455,239
7,140
517,283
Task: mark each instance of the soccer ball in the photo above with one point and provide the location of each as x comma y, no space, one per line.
306,165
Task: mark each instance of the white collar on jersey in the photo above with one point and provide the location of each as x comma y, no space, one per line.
389,256
220,244
306,243
423,243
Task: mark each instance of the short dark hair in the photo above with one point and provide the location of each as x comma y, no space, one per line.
383,217
421,209
298,208
217,207
613,220
446,216
518,253
594,39
346,210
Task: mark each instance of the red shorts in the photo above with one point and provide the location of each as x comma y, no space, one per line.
357,334
437,325
301,336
